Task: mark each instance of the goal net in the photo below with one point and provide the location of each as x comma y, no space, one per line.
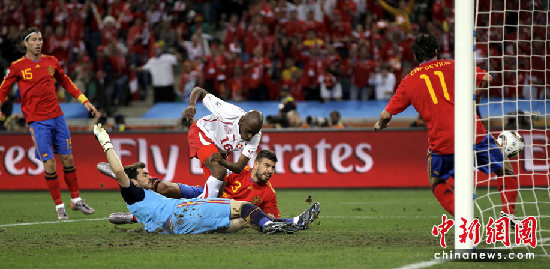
512,45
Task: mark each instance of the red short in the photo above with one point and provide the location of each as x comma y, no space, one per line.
198,149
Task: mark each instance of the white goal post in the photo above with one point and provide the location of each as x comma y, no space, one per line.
464,116
510,40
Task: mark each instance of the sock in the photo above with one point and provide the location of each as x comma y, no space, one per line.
134,220
445,195
252,214
508,187
76,200
211,188
71,180
59,206
53,185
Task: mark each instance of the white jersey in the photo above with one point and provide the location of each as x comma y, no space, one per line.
222,127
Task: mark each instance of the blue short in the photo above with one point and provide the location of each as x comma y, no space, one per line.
51,134
195,216
488,159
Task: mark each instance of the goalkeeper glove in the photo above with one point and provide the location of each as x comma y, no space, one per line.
102,137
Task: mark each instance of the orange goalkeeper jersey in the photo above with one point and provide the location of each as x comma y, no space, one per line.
241,187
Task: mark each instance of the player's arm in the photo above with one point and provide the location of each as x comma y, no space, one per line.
168,189
68,84
196,94
6,85
236,167
270,207
383,120
105,142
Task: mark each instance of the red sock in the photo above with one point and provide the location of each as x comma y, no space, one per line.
445,196
53,185
70,179
508,187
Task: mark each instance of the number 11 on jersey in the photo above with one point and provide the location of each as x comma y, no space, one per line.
431,89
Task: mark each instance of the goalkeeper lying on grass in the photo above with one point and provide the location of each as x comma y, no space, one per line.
250,185
158,213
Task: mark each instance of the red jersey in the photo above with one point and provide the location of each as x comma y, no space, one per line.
241,187
430,89
36,81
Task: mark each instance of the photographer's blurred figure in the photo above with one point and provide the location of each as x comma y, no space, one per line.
280,121
294,120
16,123
120,124
335,120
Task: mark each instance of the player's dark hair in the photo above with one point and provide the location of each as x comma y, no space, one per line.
20,46
267,154
131,170
425,47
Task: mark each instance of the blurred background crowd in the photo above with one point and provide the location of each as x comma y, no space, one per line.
238,50
118,52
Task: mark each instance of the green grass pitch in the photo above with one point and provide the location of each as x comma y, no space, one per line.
356,229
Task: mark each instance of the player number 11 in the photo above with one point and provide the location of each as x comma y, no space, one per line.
431,89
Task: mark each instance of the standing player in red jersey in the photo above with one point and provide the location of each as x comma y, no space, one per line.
430,89
36,74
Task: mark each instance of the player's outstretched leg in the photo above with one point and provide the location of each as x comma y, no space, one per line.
122,218
105,169
254,215
307,217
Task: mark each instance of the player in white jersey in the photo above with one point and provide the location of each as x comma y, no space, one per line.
212,137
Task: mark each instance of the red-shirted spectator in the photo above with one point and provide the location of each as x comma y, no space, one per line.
58,45
259,77
189,78
362,70
237,84
60,12
267,41
294,26
314,66
37,16
233,60
340,31
138,40
75,24
252,38
311,24
234,31
347,9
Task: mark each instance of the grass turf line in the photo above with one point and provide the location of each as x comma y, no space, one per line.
356,229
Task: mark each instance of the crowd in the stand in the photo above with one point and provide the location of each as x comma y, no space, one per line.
239,50
254,50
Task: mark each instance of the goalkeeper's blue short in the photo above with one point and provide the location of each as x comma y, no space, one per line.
51,136
488,158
